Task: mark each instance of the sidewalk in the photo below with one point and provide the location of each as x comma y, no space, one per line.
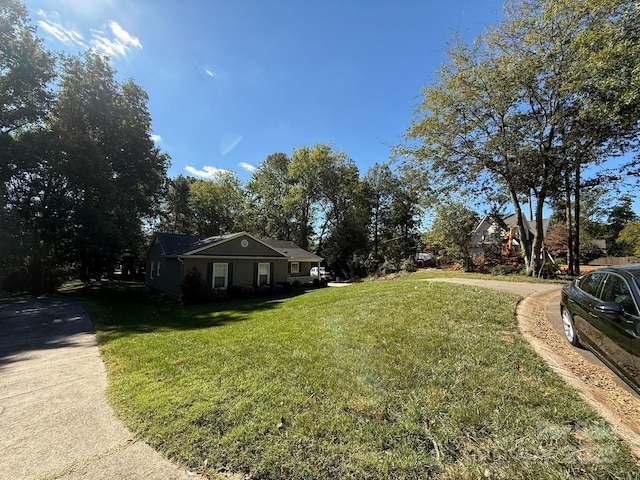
54,418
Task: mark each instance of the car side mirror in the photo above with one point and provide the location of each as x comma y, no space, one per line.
610,307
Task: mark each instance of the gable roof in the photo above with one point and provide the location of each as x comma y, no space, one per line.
292,251
174,245
511,221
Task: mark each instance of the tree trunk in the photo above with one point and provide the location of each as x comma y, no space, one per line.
538,240
525,247
568,222
576,220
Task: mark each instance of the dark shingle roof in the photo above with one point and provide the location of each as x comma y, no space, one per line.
177,244
291,250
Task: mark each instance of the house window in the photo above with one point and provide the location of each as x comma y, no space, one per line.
295,267
263,274
158,269
220,275
151,269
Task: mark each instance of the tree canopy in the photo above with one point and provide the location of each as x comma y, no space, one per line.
524,106
82,173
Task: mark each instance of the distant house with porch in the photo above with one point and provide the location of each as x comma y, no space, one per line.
503,234
237,259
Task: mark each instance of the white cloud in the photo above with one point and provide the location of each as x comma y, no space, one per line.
210,73
117,46
156,138
229,142
123,36
114,44
207,171
108,47
64,35
248,167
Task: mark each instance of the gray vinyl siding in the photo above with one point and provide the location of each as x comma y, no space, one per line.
170,275
234,248
280,271
198,264
304,269
243,269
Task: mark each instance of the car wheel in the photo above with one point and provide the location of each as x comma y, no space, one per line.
569,328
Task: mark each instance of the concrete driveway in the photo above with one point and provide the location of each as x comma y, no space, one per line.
54,418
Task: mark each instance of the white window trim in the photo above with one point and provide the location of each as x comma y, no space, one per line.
226,276
297,267
268,274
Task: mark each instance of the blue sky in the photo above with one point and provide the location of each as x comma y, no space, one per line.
230,82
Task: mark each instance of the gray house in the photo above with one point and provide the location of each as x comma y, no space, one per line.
489,233
237,259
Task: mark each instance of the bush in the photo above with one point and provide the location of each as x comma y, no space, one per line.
504,270
248,291
408,265
235,292
549,270
590,251
17,281
22,280
194,289
296,285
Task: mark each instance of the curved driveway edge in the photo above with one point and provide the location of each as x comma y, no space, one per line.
54,418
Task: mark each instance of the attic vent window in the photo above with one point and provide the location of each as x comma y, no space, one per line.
244,243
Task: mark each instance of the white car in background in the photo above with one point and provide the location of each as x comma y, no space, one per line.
320,273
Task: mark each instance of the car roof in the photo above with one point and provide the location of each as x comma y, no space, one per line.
632,269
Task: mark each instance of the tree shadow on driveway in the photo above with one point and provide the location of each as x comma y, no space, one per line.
29,325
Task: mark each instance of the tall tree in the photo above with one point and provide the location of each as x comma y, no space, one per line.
381,185
272,209
26,69
629,236
177,216
452,230
511,110
216,205
620,215
117,172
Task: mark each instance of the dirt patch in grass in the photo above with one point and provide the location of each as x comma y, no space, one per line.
597,384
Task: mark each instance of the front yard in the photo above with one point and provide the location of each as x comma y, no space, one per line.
389,379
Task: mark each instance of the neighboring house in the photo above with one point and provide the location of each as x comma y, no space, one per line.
489,233
237,259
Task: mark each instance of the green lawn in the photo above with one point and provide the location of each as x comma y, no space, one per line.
389,379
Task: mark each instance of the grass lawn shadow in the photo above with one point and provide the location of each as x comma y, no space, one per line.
119,308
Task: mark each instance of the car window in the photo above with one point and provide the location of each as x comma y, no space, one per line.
590,282
617,290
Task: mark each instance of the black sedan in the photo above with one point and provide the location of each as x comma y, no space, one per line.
600,311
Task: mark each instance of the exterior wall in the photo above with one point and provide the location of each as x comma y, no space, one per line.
280,271
169,278
198,264
242,272
304,269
